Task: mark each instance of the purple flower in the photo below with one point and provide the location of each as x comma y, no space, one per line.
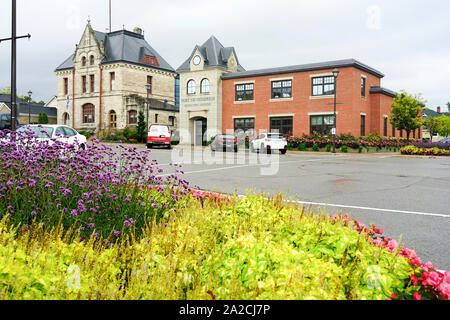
91,226
116,233
33,213
127,223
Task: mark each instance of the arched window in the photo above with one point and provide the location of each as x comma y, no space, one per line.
204,87
83,61
88,113
191,87
66,118
132,117
112,119
91,60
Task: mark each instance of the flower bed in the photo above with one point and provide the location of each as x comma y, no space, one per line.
419,151
248,249
308,142
103,224
98,191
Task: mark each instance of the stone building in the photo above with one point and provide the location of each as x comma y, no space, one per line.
201,90
101,87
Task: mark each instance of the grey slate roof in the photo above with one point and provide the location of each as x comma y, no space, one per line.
434,114
123,46
375,90
163,105
35,108
303,68
214,54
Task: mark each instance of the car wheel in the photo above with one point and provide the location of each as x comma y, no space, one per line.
235,149
149,146
169,147
283,151
83,146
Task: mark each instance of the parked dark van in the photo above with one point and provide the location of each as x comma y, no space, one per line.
5,121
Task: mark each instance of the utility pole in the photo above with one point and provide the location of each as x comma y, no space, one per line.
13,65
13,69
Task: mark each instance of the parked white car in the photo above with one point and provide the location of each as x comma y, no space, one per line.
61,133
268,142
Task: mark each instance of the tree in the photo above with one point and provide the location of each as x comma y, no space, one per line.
43,118
406,112
443,128
6,90
432,124
141,127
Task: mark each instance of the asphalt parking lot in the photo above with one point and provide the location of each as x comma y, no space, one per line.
408,197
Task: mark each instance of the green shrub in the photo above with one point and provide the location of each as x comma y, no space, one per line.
328,147
316,148
252,249
302,147
360,149
344,149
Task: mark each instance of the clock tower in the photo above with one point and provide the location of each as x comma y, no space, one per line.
201,90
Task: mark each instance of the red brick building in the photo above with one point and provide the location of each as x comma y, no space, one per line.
299,100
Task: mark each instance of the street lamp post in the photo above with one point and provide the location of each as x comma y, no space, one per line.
29,102
335,75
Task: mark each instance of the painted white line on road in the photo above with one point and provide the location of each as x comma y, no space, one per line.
252,165
368,208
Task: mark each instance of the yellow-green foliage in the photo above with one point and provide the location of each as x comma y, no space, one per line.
251,249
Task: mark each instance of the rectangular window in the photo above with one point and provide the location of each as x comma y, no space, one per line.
112,81
420,133
393,131
401,133
88,113
132,117
156,118
322,124
83,84
244,125
150,82
92,80
385,127
244,92
172,121
282,125
323,86
282,89
363,87
66,86
414,133
363,125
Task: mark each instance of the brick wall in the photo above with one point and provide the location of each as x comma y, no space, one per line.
302,105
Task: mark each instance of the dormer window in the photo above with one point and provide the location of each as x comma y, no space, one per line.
150,60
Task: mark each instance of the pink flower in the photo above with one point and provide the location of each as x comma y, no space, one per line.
417,296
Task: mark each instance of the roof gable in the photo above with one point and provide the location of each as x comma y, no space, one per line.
121,46
215,55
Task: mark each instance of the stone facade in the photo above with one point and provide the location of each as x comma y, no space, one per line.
107,85
201,106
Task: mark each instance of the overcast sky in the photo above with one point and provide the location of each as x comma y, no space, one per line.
407,40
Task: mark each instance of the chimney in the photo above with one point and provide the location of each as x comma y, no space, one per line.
438,109
137,30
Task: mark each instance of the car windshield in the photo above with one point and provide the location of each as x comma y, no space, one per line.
40,132
275,136
225,137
